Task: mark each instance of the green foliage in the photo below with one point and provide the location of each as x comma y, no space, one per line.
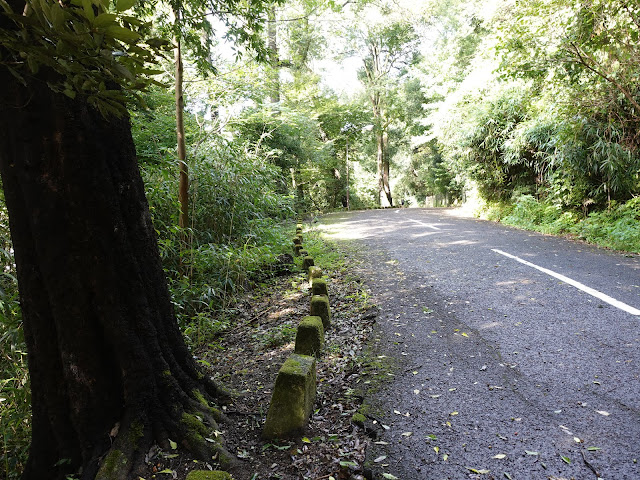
15,394
235,230
292,141
95,49
617,228
278,336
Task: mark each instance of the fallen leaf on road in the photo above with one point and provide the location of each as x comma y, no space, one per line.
500,456
602,412
480,471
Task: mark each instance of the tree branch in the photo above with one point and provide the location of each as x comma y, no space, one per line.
585,60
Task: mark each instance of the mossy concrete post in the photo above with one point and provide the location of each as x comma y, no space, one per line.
209,475
297,245
293,397
319,287
310,337
297,249
299,226
320,308
315,272
303,253
307,263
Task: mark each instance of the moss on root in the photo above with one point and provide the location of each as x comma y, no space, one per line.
194,425
358,419
113,465
209,475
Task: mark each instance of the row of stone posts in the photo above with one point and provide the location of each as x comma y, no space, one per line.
294,392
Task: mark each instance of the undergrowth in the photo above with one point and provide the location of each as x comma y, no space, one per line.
15,395
617,227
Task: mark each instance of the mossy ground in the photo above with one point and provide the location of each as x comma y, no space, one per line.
209,475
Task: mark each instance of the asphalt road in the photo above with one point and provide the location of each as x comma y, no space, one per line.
517,354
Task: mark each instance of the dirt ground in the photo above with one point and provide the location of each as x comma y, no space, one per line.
246,359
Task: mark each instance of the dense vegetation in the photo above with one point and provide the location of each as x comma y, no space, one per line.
530,107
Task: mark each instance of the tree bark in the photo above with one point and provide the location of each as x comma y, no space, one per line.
110,372
274,60
385,168
183,184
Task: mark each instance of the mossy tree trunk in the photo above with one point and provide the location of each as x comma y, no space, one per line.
110,372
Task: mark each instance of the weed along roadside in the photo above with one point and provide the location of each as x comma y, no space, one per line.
276,340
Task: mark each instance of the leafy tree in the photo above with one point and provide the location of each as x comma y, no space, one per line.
388,48
586,54
110,372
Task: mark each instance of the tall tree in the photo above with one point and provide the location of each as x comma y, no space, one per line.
110,372
388,47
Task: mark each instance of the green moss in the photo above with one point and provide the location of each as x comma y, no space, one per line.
320,308
307,262
319,286
197,394
358,419
310,337
166,373
114,463
209,475
293,397
136,432
194,424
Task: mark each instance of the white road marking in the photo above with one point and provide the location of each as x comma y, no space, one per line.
578,285
425,225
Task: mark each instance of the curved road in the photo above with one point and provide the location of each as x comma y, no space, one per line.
517,354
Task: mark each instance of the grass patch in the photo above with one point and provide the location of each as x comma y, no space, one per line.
617,228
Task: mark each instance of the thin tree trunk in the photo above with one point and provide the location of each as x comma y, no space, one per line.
348,187
110,372
183,186
380,166
385,168
274,60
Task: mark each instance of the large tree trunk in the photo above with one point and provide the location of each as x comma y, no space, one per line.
110,372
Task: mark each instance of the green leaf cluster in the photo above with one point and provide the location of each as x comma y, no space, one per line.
92,48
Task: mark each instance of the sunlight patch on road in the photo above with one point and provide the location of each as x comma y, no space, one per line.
425,234
355,230
484,326
427,225
591,291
